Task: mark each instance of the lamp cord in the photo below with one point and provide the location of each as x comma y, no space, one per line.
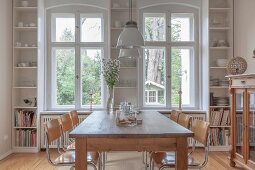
130,10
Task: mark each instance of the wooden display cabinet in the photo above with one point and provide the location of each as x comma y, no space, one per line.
242,88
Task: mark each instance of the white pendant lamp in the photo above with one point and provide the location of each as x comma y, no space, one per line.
129,53
130,37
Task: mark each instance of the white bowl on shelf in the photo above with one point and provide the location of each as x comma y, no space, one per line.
24,3
221,62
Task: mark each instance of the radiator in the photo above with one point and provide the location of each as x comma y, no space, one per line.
43,120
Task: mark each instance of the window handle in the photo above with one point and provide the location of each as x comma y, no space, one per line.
77,77
169,76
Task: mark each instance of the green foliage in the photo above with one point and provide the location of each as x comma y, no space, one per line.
153,31
65,76
91,78
90,74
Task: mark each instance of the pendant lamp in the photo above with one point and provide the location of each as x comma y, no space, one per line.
130,37
129,53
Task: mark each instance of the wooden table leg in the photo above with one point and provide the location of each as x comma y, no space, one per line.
182,154
81,153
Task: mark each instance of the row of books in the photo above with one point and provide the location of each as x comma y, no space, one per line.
219,117
25,118
219,137
25,137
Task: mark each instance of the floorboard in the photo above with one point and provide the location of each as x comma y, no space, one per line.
115,161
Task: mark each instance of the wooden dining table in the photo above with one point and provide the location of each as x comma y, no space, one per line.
99,132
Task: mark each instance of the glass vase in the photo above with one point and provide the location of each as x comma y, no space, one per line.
110,101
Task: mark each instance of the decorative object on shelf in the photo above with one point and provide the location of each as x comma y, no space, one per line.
111,69
237,65
130,37
32,24
221,62
115,5
20,24
24,3
117,24
32,102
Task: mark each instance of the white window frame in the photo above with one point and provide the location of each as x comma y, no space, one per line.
168,9
78,11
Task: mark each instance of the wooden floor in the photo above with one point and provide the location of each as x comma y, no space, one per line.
115,161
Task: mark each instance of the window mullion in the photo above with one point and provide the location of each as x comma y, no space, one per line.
77,63
168,60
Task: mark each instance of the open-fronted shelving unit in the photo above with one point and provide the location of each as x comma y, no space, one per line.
24,86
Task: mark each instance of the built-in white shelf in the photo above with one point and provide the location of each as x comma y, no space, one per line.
25,28
219,106
219,87
24,107
216,67
219,28
219,9
22,9
220,48
25,67
16,127
25,87
22,48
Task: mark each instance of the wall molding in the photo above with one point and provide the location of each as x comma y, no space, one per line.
5,154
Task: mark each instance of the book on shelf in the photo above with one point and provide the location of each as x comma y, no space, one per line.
25,118
25,137
219,117
219,137
225,118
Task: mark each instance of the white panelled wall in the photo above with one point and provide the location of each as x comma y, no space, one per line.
244,28
6,77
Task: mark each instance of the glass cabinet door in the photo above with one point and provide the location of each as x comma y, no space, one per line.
239,121
251,125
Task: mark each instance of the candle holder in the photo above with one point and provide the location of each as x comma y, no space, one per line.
181,73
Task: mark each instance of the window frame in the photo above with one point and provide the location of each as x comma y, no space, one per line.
169,9
79,11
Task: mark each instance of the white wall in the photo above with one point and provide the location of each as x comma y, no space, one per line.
6,76
244,28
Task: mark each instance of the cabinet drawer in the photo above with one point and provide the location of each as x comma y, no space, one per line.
243,82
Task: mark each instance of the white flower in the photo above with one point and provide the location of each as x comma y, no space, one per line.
111,69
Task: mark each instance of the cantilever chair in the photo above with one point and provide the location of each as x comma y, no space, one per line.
67,158
174,115
74,118
184,120
167,159
67,126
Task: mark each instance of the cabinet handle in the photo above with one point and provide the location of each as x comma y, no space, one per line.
243,82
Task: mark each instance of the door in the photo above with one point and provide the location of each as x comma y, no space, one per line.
251,125
238,122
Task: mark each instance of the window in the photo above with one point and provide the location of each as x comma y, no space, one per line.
154,61
76,46
170,56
